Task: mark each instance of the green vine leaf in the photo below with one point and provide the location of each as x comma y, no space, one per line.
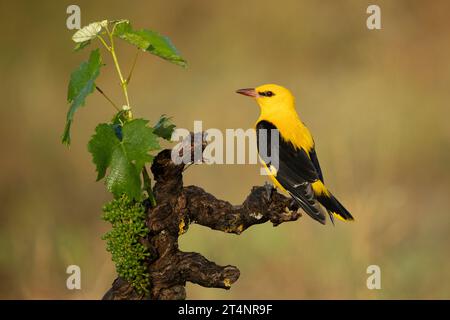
89,32
80,86
164,127
101,146
124,157
150,41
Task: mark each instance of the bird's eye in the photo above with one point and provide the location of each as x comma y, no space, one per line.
266,94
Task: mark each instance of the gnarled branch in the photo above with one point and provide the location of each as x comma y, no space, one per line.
179,206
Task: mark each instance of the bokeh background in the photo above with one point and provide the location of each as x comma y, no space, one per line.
377,103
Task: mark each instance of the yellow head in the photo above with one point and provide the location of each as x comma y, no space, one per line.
271,98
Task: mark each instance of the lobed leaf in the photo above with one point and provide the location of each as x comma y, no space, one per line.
82,83
125,158
101,146
150,41
164,127
123,178
89,32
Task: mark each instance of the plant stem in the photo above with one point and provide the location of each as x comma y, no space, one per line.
148,186
123,83
107,98
132,67
103,42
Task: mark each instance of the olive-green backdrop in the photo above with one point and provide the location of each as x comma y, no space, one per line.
376,101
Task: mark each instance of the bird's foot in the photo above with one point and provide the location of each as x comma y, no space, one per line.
269,190
293,206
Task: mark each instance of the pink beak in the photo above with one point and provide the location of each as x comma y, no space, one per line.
250,92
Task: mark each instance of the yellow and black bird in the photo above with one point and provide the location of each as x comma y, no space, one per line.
298,172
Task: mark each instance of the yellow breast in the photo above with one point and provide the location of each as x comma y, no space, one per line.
290,127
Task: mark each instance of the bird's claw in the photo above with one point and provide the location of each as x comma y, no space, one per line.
269,190
293,205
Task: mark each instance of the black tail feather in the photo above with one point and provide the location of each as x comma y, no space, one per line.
334,207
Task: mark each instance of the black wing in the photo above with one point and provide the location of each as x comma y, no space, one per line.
295,170
316,164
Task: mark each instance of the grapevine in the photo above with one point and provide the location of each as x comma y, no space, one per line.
122,147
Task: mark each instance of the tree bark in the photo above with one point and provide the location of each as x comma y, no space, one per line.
178,207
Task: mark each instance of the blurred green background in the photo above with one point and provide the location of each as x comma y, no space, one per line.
377,103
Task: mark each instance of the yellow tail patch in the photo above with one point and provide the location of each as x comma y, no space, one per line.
339,217
319,188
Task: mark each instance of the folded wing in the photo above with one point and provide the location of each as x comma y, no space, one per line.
295,170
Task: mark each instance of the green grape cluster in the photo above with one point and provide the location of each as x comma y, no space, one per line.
122,241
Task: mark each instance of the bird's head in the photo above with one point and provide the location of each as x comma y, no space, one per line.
270,97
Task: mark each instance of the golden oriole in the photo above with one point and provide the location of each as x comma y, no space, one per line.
298,171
